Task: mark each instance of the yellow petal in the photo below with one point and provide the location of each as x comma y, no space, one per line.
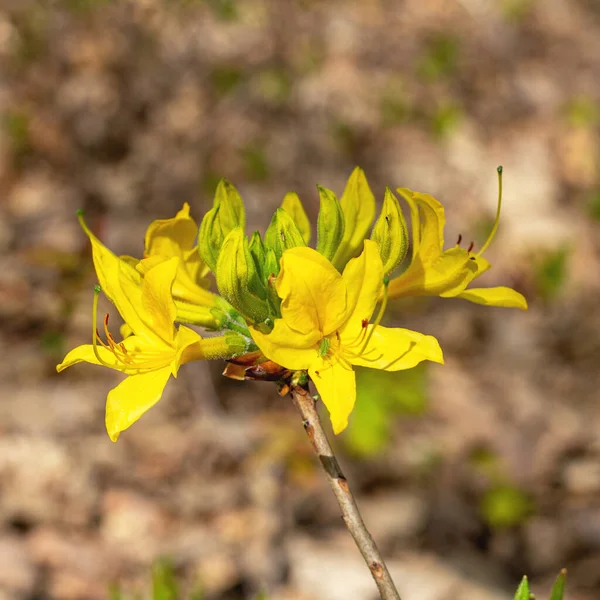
364,279
127,402
86,353
358,206
111,271
287,347
496,296
336,384
152,299
428,221
313,293
447,276
395,349
177,237
184,339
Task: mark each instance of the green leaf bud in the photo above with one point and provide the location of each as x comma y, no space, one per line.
523,590
283,234
210,238
293,206
259,254
391,233
330,224
226,214
238,280
558,589
358,206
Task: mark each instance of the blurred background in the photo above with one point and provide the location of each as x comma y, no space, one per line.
468,474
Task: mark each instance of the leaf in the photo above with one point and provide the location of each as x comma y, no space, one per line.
558,590
523,592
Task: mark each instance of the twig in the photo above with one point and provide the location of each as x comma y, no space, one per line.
350,513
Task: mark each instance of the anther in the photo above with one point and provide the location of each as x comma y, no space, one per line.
365,323
470,246
459,240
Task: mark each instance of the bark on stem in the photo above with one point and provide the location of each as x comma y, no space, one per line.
350,513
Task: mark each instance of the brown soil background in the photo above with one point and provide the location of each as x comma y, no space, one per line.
130,108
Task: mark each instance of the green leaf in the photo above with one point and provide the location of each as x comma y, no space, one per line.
523,592
558,590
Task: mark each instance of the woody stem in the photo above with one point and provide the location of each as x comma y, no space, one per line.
350,513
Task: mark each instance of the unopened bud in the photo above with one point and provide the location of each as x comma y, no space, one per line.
391,233
330,224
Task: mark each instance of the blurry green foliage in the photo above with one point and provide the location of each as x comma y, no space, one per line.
395,103
445,118
274,85
83,6
550,272
440,57
255,162
583,111
164,585
225,10
15,124
593,204
31,25
505,506
516,10
53,344
380,397
225,78
557,593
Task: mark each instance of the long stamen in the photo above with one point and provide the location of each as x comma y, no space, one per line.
386,282
497,220
95,336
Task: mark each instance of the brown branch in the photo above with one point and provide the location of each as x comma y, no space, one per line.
339,484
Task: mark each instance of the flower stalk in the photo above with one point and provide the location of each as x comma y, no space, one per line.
305,404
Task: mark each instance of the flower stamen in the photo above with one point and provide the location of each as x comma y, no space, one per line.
497,219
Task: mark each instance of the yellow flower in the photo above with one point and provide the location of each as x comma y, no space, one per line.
447,273
155,349
325,326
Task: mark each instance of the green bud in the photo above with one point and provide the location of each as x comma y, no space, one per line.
391,233
226,214
232,213
258,252
293,207
238,280
558,589
330,224
358,206
283,234
271,265
523,592
210,238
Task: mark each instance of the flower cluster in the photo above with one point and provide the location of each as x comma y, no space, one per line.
283,307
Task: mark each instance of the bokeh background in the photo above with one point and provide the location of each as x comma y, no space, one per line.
470,474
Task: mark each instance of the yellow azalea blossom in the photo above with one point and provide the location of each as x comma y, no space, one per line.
325,326
153,348
153,352
447,273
